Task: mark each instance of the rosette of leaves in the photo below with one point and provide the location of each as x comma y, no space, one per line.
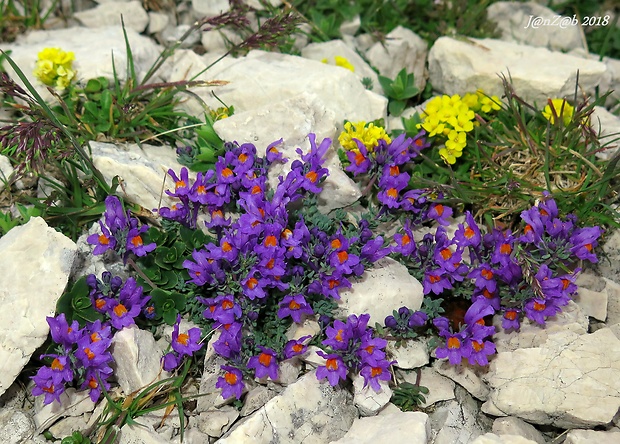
167,304
77,304
408,397
164,266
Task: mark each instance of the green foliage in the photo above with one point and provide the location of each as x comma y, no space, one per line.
77,304
7,221
18,16
76,438
167,304
399,90
206,149
408,397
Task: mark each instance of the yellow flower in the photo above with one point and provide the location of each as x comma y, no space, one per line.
344,62
369,135
562,109
54,67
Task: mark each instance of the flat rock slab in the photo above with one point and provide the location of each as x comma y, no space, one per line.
400,427
35,262
460,66
309,411
569,381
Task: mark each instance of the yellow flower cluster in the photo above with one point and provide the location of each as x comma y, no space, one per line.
452,117
343,62
55,67
562,109
368,134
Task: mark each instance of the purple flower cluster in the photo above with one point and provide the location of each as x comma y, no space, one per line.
404,322
352,347
120,303
266,257
119,232
512,275
82,356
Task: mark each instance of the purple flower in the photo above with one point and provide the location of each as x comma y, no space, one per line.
510,319
44,385
272,154
63,333
93,353
334,369
436,281
440,213
185,343
135,243
371,350
405,244
103,242
115,216
343,261
295,307
295,347
231,383
417,319
59,370
468,234
477,351
539,309
338,336
229,342
92,379
225,309
171,361
454,348
359,159
583,241
181,184
374,373
265,364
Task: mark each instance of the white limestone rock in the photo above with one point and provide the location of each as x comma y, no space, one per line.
381,290
143,171
456,421
137,359
367,401
265,78
519,22
440,388
292,120
460,66
138,434
569,381
612,288
157,22
511,425
398,427
331,49
210,8
256,398
610,267
607,126
72,404
572,318
580,436
309,410
217,421
466,375
15,426
412,354
172,34
91,60
492,438
402,48
67,426
36,261
592,302
109,14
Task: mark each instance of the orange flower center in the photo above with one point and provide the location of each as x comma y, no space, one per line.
312,176
92,383
342,256
405,240
120,310
439,209
103,239
256,189
226,247
477,346
293,305
89,354
271,241
286,233
201,189
505,249
230,378
179,184
137,241
538,306
227,304
446,254
242,157
338,336
487,274
392,192
336,244
57,365
511,315
297,348
100,303
359,158
183,339
265,359
375,371
394,170
332,364
434,279
469,233
227,172
252,282
453,343
95,337
333,283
